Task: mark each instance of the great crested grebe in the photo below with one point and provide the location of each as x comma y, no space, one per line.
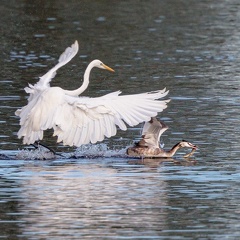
149,145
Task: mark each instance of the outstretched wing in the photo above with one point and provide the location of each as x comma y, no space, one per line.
81,120
152,132
36,89
91,119
44,81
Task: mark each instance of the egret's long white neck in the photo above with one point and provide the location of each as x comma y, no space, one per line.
85,81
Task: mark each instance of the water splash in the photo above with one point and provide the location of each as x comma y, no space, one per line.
86,151
40,153
97,151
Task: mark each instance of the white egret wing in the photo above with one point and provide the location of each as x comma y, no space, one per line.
44,81
81,120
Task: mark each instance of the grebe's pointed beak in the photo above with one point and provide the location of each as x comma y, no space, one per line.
192,146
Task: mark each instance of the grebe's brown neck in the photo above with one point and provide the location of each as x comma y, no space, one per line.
174,149
179,145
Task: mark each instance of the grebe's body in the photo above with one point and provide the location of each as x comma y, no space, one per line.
149,145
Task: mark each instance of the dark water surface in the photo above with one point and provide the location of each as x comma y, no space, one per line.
189,47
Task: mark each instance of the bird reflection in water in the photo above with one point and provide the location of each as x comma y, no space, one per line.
156,162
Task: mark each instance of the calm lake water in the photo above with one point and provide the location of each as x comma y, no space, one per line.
189,47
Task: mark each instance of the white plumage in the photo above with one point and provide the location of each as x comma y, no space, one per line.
80,120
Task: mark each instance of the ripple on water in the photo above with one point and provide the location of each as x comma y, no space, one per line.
168,43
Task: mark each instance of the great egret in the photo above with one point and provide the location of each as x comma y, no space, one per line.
149,145
81,120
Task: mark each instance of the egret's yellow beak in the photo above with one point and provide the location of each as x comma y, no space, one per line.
108,68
